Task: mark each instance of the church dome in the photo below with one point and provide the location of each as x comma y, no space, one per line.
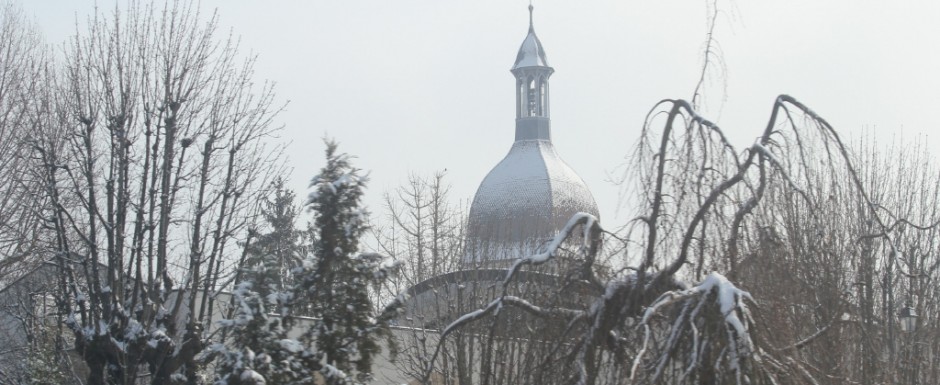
531,194
523,202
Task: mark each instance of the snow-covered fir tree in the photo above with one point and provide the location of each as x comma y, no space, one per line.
328,302
280,249
258,350
334,279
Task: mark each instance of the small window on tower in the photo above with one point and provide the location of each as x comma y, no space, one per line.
521,101
543,103
531,98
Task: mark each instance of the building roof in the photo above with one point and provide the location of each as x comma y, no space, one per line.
532,193
531,53
523,202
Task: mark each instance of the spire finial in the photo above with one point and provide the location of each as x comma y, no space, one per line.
530,15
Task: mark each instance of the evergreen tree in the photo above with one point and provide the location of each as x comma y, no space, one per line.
330,286
257,350
335,278
279,250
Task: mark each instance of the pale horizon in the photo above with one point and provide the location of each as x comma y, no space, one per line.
417,87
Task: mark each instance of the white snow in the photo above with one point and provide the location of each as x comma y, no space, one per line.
552,248
730,303
728,298
133,330
251,375
471,316
291,345
330,371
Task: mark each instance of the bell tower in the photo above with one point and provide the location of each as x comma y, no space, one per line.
529,196
532,71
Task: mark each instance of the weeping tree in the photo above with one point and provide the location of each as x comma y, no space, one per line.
829,278
151,156
667,315
783,262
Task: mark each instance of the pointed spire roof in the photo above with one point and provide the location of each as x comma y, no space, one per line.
531,53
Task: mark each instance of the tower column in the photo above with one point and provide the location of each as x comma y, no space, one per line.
532,72
518,99
545,98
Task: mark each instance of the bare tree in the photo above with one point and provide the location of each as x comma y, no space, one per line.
24,62
37,346
151,160
829,273
701,197
424,230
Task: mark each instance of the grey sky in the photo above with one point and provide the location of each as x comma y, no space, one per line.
418,86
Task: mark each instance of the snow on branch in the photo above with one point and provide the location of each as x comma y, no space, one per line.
590,236
588,221
714,292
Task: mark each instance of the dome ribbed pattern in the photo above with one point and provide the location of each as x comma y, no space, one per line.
523,202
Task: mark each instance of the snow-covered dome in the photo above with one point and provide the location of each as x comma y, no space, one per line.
531,194
523,202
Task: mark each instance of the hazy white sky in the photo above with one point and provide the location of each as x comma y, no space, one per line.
420,85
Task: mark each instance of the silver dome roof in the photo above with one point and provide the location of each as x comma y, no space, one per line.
531,194
523,202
